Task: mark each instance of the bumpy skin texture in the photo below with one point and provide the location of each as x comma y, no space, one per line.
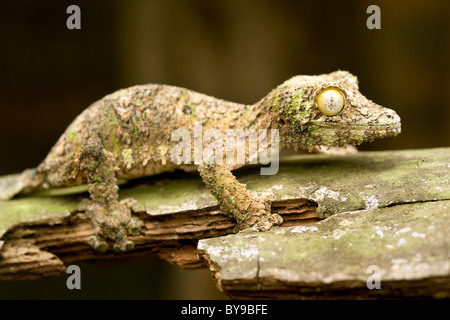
127,134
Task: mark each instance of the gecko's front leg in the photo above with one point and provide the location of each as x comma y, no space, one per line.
234,198
111,218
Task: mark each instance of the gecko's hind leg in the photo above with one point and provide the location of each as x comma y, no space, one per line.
111,218
248,210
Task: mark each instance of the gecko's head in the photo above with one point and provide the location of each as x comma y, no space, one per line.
328,110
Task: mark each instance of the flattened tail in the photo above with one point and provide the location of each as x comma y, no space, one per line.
14,184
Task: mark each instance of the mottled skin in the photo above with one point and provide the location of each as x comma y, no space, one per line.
127,134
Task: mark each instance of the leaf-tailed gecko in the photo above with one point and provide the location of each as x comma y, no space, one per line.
127,135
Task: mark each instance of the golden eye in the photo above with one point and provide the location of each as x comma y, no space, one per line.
330,101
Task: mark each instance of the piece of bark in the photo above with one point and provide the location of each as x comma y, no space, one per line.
178,211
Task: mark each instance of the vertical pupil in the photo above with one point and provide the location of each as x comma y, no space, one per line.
331,102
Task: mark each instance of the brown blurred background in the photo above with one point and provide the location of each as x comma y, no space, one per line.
231,49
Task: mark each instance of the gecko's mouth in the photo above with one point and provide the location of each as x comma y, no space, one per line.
361,133
369,133
385,128
367,124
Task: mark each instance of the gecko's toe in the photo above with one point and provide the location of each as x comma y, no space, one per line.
124,246
98,244
265,224
275,219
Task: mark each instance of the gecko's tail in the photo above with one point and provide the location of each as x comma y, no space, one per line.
14,184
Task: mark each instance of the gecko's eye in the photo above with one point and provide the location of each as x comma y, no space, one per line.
330,101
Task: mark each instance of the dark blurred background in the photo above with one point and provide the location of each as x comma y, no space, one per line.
236,50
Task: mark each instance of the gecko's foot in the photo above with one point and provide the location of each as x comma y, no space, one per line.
112,222
260,223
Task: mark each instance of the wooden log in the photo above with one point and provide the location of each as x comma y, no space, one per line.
43,232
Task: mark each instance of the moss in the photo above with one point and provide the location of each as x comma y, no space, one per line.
355,201
108,172
98,179
275,103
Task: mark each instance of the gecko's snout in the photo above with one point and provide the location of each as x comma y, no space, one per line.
389,121
396,123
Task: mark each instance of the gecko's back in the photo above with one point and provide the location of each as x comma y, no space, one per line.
135,126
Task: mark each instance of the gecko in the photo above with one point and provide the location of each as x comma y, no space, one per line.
127,135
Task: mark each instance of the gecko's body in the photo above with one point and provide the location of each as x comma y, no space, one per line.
128,134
